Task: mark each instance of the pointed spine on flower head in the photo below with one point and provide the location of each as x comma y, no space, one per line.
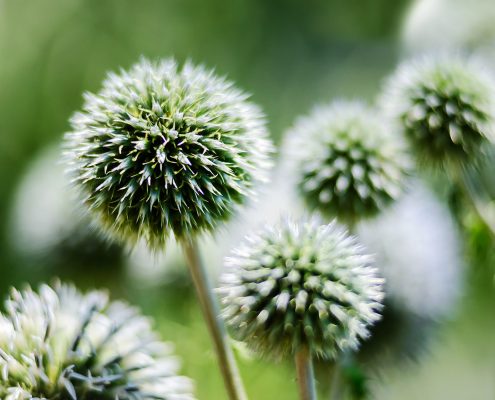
166,149
301,285
346,162
58,343
445,107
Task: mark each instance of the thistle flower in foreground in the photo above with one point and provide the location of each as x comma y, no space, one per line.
346,162
61,344
445,107
166,149
301,284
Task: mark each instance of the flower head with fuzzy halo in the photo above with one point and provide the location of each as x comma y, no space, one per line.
61,344
445,107
346,162
166,149
301,284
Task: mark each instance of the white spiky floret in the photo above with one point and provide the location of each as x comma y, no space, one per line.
444,105
60,344
346,160
300,283
166,149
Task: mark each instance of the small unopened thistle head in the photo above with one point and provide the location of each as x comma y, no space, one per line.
166,149
346,162
61,344
301,284
445,107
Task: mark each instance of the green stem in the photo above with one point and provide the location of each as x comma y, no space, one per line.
337,389
211,313
305,374
481,206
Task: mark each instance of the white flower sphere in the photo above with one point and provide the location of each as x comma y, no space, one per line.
444,106
430,25
47,224
417,247
164,150
58,343
346,161
299,284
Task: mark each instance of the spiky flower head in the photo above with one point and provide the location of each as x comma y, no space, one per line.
61,344
164,148
346,162
445,107
298,284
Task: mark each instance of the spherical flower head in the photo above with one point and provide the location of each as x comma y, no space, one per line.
164,148
299,284
48,227
346,162
445,107
417,250
61,344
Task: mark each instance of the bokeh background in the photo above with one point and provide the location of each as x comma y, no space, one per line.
290,54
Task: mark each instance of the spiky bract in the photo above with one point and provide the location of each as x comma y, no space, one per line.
166,149
346,162
300,284
59,344
445,107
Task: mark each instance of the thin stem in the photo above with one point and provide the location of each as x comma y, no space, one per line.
337,390
305,375
211,313
479,199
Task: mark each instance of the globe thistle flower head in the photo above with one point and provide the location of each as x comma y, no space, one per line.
300,284
445,107
61,344
346,162
164,148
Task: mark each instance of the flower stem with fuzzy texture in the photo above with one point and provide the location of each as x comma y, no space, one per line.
305,374
211,313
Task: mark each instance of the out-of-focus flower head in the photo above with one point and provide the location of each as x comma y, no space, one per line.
60,344
346,161
445,107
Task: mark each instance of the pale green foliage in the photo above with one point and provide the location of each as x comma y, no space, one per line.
59,344
301,284
166,149
346,162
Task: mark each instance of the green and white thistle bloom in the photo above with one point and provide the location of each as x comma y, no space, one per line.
166,149
61,344
345,160
301,284
445,107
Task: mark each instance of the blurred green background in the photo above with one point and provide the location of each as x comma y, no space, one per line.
290,54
